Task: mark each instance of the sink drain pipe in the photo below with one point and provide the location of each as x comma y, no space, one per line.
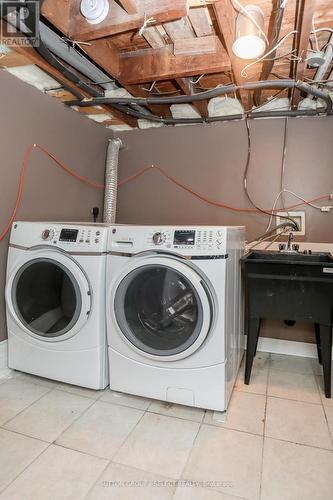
111,181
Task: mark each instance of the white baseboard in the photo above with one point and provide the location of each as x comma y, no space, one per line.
290,347
3,356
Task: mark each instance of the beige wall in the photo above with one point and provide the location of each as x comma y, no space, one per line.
211,160
27,116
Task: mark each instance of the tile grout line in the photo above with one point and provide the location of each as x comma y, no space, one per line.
52,390
264,428
25,408
25,468
111,460
190,452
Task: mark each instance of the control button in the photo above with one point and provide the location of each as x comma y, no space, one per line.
159,238
47,234
81,241
87,241
98,233
96,240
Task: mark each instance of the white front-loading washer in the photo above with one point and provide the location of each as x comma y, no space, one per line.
175,312
55,302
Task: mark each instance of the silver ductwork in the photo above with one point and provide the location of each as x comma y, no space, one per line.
111,181
62,49
321,71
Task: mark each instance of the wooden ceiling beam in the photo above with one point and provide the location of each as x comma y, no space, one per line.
13,59
150,65
201,21
119,21
129,5
187,87
226,20
61,13
305,23
106,55
195,46
32,55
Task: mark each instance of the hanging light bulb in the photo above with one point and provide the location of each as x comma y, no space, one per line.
95,11
250,39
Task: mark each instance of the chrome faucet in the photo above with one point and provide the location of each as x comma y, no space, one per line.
289,243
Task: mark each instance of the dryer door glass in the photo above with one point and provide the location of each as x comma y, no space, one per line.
46,297
158,310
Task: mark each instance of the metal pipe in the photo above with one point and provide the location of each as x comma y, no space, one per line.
321,71
111,181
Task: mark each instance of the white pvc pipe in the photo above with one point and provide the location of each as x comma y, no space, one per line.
111,181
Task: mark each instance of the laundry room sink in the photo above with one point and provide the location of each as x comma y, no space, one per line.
290,286
296,257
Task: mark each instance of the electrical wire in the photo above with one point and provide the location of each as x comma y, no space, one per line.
249,65
26,157
247,14
121,183
245,184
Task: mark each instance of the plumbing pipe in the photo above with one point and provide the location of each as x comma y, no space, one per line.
111,181
321,71
221,90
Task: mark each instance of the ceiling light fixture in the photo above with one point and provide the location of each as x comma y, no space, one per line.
95,11
250,37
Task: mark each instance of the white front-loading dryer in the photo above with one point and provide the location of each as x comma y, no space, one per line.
55,301
174,312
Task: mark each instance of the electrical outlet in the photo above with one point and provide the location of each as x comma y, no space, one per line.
298,217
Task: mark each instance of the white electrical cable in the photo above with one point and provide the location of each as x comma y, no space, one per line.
296,196
264,239
246,13
330,30
243,71
315,34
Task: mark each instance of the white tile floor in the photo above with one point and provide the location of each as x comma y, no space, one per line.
61,442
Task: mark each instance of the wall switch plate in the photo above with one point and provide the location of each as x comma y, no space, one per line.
298,217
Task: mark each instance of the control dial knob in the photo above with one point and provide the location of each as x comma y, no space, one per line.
159,238
47,234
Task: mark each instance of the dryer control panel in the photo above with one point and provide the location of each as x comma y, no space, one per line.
69,237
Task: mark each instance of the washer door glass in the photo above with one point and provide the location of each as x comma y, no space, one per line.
46,297
158,310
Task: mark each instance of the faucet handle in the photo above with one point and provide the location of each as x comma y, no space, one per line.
296,247
282,246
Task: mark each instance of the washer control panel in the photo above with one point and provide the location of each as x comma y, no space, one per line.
199,240
85,237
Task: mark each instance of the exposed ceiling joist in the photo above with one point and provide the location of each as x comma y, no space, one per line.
226,20
305,23
32,55
161,64
118,20
201,21
104,53
195,46
60,13
129,5
188,88
13,59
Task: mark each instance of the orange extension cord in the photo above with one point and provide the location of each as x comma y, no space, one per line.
138,174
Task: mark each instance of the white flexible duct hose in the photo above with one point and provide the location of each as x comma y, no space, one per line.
111,181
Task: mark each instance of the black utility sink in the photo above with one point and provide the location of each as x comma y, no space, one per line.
291,257
290,286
